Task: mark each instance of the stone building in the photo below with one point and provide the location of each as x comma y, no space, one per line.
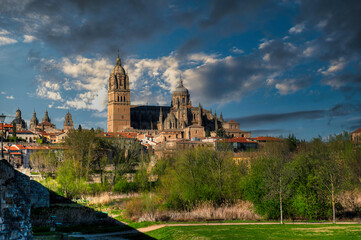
68,122
34,121
356,135
18,121
180,120
46,124
119,99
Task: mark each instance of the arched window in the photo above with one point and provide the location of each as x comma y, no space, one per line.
183,100
118,99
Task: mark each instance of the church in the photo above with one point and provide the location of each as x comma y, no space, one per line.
180,120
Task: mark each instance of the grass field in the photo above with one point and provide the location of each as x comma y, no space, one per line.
274,232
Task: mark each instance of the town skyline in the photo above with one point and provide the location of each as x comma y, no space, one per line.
276,67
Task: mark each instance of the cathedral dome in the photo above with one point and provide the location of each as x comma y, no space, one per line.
18,113
118,78
180,88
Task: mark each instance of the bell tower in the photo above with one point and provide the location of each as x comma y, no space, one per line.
118,99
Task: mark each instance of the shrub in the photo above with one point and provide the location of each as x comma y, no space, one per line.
123,186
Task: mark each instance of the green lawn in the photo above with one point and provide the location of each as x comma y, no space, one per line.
274,232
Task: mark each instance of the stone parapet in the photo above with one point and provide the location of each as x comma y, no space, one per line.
15,204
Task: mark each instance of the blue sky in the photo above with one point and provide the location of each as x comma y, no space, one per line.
277,67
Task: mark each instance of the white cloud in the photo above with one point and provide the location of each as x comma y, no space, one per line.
297,28
6,41
287,86
265,43
309,51
335,66
9,97
29,38
236,50
266,57
100,114
48,90
4,32
89,76
3,92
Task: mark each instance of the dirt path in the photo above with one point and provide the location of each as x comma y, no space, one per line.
117,235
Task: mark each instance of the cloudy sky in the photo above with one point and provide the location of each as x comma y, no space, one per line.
277,67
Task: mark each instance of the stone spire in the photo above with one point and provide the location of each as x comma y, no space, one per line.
46,117
34,121
161,115
119,62
160,121
221,117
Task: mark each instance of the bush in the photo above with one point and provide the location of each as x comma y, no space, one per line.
97,188
200,174
123,186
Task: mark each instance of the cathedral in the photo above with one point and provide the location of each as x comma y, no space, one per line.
181,119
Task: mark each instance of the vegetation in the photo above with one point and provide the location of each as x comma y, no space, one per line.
291,179
88,155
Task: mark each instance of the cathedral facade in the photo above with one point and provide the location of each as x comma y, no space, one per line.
181,119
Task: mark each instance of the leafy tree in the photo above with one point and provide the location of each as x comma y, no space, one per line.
200,174
79,128
268,179
70,184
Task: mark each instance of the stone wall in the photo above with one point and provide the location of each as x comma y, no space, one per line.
15,203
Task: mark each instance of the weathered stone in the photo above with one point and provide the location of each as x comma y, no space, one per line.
14,204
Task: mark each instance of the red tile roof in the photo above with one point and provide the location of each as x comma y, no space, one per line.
231,121
240,139
267,139
357,131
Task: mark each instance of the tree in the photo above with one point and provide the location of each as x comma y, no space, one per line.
45,162
124,155
268,180
14,130
335,172
198,175
85,148
208,132
79,128
221,133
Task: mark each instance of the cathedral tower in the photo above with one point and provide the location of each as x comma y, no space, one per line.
68,122
118,99
34,122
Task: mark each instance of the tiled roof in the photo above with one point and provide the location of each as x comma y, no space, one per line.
240,139
357,131
231,121
22,132
6,126
267,139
